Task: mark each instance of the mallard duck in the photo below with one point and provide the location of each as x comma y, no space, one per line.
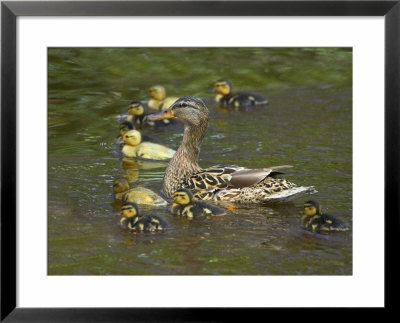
158,100
184,205
140,223
137,112
138,194
239,100
219,183
316,221
134,147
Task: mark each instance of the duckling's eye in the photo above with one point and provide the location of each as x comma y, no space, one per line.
183,105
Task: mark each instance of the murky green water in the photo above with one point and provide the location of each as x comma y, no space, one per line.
308,124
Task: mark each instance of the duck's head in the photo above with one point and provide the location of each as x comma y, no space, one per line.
129,210
223,86
136,108
190,110
157,92
124,127
182,197
132,138
312,208
120,185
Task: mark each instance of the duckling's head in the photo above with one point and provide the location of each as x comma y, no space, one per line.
136,108
132,138
190,110
124,127
182,197
157,92
223,86
120,185
312,208
129,210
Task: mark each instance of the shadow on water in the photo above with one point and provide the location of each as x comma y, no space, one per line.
308,124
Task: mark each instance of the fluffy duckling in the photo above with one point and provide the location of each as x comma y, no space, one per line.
137,112
158,100
316,221
184,205
138,194
134,147
239,100
139,223
125,126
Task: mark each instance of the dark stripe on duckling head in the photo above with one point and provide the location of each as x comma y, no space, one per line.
126,124
129,205
225,81
136,102
311,203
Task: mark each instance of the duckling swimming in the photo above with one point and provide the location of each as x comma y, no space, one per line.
139,223
316,221
183,205
158,100
134,147
138,194
239,100
125,126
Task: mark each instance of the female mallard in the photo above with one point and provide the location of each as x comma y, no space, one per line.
138,194
184,205
134,147
219,183
238,100
158,100
316,221
139,223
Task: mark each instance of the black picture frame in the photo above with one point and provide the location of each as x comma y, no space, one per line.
10,10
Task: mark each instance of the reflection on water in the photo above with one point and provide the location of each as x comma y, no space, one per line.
308,124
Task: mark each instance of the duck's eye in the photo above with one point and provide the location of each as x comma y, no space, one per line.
183,105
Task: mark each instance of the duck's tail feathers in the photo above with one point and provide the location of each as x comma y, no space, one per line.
290,194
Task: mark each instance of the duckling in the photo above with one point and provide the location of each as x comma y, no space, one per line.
158,100
184,205
139,223
134,147
239,100
136,112
138,194
316,221
126,125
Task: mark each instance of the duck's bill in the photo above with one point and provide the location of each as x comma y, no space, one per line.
165,114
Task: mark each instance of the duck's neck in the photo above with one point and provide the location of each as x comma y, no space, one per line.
185,161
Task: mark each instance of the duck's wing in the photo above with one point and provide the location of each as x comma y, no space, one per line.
249,177
218,177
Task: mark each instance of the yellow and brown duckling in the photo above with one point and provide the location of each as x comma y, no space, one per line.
236,100
184,206
138,194
132,220
158,98
126,126
137,111
220,183
316,221
135,147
